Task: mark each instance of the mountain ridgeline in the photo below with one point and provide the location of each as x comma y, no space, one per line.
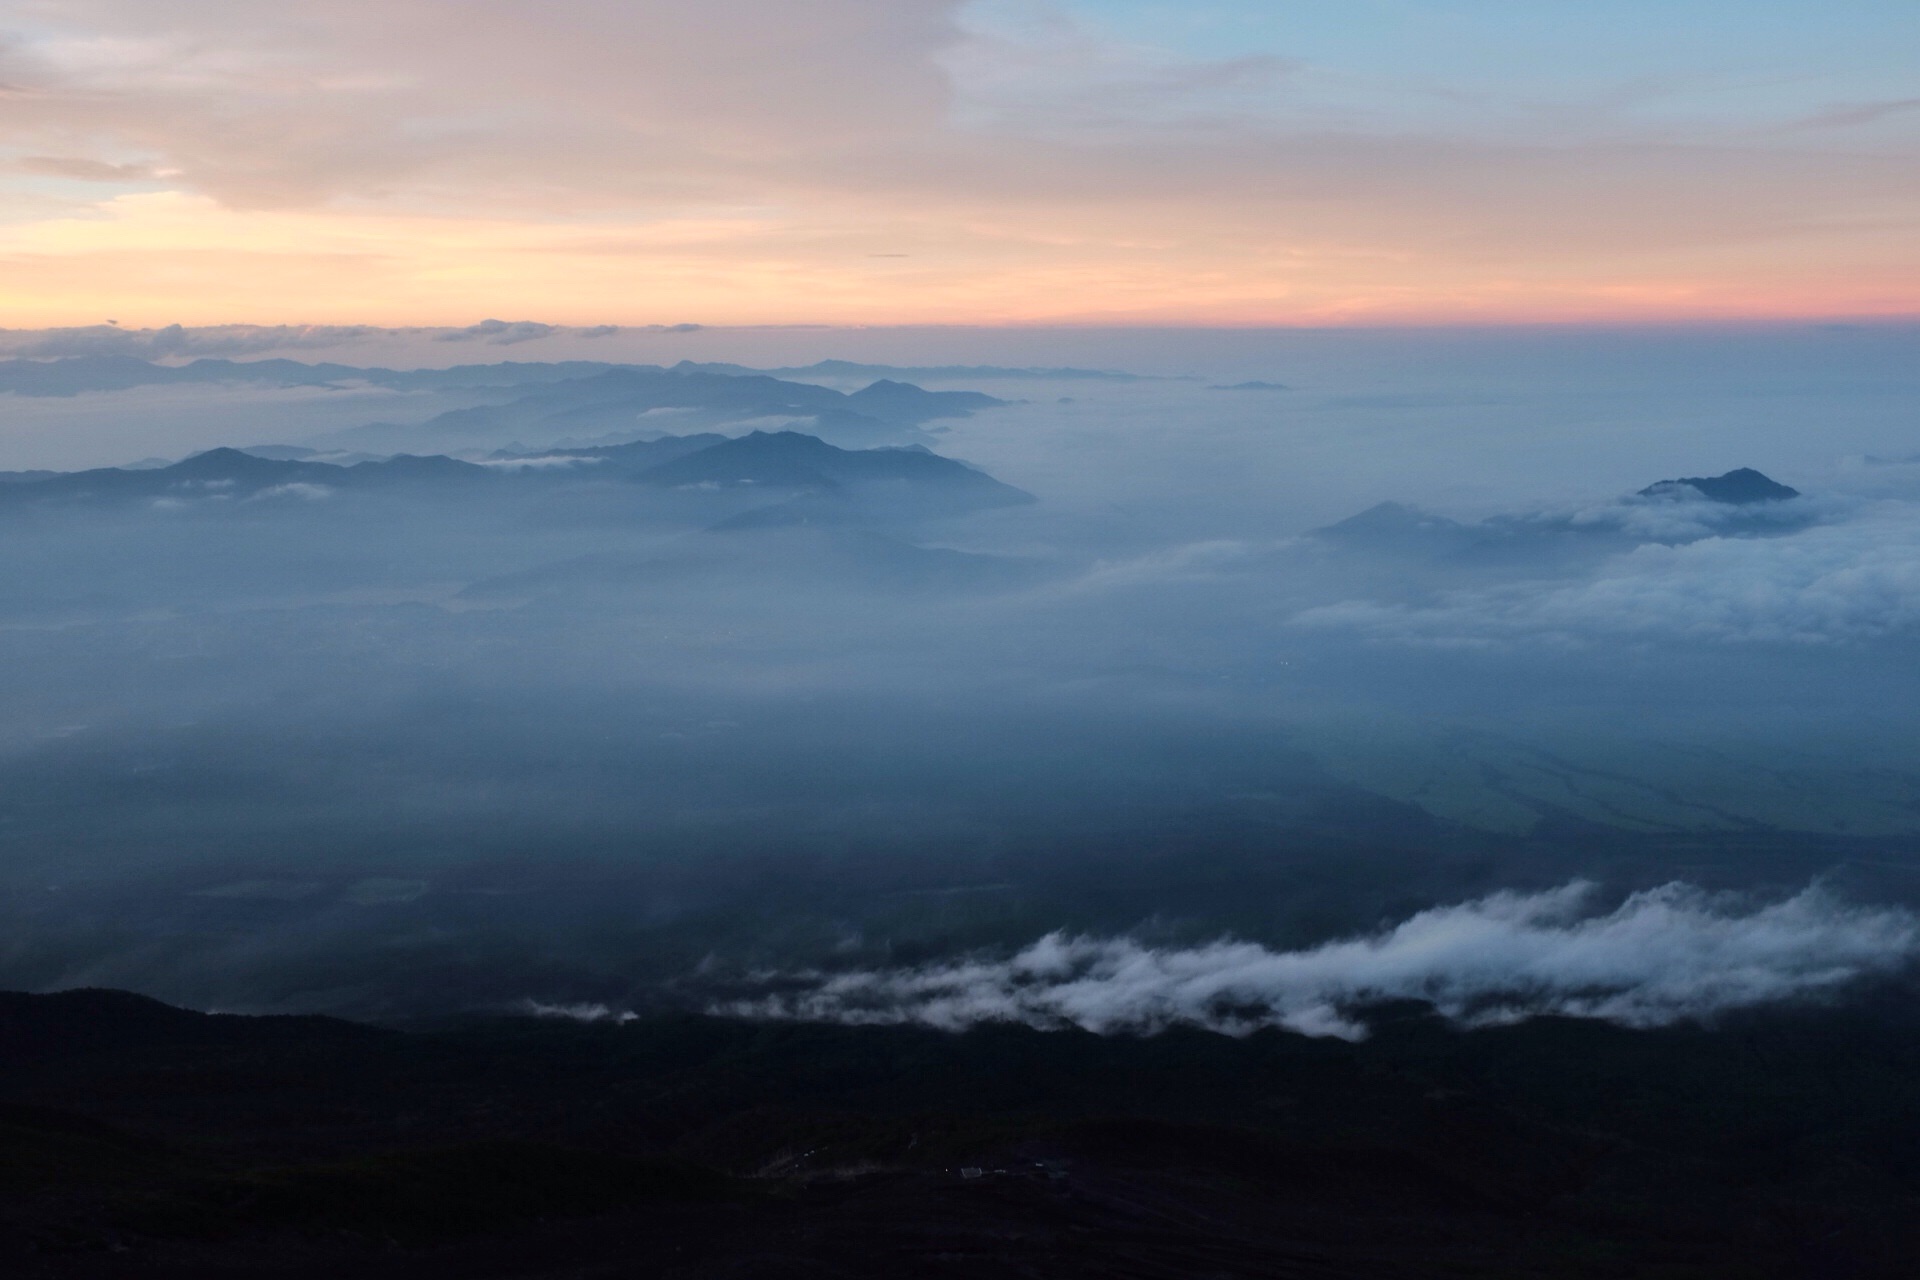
1669,512
896,482
1737,488
632,467
495,404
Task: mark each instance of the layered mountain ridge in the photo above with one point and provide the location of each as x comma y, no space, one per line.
899,483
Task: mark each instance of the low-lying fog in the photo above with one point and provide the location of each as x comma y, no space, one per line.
716,689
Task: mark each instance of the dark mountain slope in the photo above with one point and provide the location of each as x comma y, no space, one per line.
145,1141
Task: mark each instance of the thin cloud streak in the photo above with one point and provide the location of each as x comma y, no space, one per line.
1850,115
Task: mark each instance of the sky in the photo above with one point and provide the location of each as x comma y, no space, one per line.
973,162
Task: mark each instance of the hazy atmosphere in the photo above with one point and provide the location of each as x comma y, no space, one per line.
573,673
889,638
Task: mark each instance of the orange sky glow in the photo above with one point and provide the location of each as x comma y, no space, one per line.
864,164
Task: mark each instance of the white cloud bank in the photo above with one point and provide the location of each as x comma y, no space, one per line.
1664,955
1852,581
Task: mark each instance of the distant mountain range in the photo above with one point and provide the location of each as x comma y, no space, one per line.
834,485
73,375
76,374
625,401
850,369
231,474
544,403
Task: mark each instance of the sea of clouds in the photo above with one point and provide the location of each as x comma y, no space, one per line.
1168,630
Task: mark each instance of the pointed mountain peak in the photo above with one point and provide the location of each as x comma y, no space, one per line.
1740,486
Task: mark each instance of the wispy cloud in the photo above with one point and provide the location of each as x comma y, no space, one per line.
500,333
578,1012
174,340
1662,956
82,169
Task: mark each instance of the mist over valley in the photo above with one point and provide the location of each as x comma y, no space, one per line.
625,683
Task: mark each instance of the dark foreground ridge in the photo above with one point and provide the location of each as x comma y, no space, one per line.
141,1140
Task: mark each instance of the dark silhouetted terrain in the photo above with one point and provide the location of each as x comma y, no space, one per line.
146,1141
